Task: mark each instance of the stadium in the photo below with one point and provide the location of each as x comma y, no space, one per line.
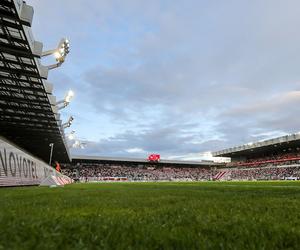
51,198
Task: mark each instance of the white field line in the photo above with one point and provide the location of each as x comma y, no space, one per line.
263,186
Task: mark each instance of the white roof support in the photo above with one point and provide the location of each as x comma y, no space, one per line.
48,87
25,12
52,100
43,70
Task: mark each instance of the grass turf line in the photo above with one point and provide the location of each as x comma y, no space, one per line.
208,215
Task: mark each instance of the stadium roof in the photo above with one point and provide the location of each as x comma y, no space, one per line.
27,113
271,145
117,160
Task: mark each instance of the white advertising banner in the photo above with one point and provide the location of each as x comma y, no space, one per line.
18,168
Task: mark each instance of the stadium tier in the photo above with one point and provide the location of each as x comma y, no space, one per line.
279,145
29,116
275,159
285,149
81,159
108,171
90,168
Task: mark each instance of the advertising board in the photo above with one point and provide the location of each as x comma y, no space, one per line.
19,168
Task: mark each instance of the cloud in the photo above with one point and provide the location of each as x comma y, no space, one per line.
276,104
177,77
135,150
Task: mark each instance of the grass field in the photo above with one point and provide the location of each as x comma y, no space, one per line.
224,215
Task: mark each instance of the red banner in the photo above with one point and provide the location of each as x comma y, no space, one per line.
154,157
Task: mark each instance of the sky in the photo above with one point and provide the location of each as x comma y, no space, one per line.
178,78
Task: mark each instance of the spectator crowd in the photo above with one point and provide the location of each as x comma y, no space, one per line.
266,173
100,172
286,158
96,172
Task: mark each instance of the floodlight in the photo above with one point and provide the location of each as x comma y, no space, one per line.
71,135
56,55
68,123
66,101
60,53
78,144
69,96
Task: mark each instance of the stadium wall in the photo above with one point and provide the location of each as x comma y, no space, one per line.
19,168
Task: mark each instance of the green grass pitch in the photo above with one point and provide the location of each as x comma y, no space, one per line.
208,215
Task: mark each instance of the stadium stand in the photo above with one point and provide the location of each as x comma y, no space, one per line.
90,168
30,123
273,159
29,118
281,149
220,175
28,114
266,173
276,159
127,173
102,172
